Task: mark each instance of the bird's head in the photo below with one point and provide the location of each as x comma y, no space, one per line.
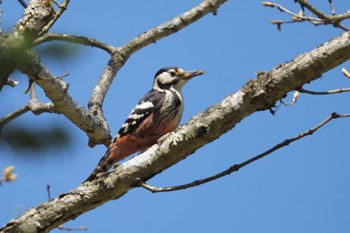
174,77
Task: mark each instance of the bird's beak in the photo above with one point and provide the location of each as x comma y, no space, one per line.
191,74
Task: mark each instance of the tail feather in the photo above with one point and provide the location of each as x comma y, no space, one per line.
103,166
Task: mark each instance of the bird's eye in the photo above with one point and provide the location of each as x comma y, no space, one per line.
172,73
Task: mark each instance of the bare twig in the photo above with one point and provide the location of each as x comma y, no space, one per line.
312,9
327,19
332,7
60,11
23,3
33,105
9,117
295,17
83,228
11,83
74,39
236,167
336,91
55,77
48,189
294,99
321,19
345,72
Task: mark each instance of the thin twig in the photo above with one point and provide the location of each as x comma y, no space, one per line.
236,167
293,101
60,11
296,17
33,105
83,40
48,189
11,83
56,77
312,9
322,19
327,19
331,6
83,228
345,72
9,117
22,3
336,91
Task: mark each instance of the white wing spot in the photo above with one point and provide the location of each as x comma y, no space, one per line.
145,105
125,126
136,116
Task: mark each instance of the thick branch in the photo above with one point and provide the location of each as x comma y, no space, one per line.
258,94
172,26
57,90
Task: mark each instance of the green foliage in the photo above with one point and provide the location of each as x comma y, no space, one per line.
21,138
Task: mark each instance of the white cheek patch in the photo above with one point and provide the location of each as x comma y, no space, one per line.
165,78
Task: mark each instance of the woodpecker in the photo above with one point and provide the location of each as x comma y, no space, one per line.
157,113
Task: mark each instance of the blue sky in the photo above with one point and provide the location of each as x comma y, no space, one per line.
301,188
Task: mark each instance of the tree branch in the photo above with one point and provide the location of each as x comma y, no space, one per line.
295,16
257,94
61,9
237,167
93,121
322,19
33,105
11,83
121,55
57,91
74,39
11,116
332,7
336,91
328,19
